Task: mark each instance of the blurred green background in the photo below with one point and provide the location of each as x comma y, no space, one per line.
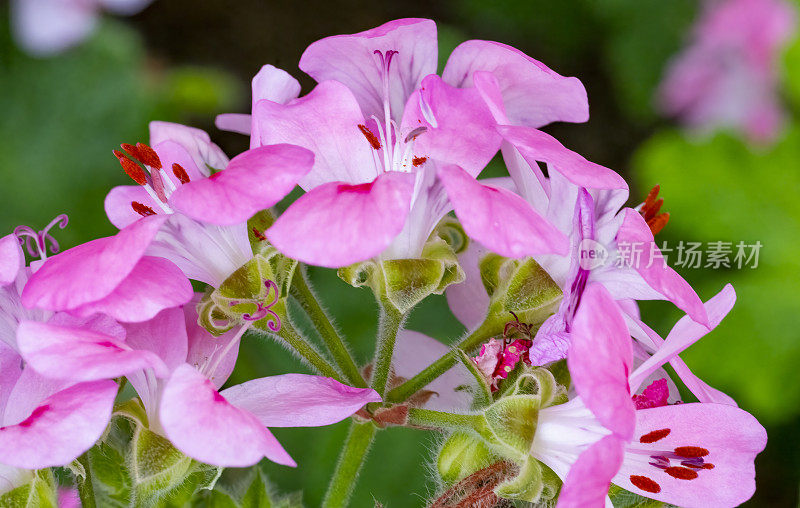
186,61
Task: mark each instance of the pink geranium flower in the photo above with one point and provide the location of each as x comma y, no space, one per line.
47,27
43,422
728,75
696,454
380,122
583,201
181,393
179,216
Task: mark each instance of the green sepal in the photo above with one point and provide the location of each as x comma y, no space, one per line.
526,485
461,455
520,286
134,466
404,283
256,226
238,296
245,488
513,421
534,483
483,392
39,492
540,383
452,232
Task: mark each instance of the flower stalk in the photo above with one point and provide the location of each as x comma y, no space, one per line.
389,325
351,459
304,294
442,365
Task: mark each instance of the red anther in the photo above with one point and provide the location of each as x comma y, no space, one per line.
652,437
681,473
651,197
132,150
148,156
141,209
649,211
259,235
418,161
645,483
657,223
708,465
690,452
372,138
131,169
180,173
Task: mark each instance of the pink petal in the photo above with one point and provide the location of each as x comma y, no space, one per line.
337,224
351,59
154,284
299,400
534,95
205,426
118,204
468,300
255,180
91,271
270,83
234,122
535,145
600,359
413,352
61,428
685,333
731,437
12,259
463,131
10,371
635,233
587,482
164,335
205,349
326,122
499,219
80,355
195,142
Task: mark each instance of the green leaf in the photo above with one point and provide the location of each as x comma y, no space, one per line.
622,498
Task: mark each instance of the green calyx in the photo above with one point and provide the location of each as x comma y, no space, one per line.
520,286
39,492
403,283
256,293
534,483
461,455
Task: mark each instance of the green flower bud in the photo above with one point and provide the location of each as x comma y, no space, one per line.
520,286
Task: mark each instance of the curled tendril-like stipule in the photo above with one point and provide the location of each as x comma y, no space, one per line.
37,242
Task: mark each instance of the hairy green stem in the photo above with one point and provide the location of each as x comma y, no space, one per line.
389,325
420,417
352,457
440,366
303,348
85,486
304,295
